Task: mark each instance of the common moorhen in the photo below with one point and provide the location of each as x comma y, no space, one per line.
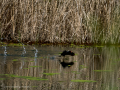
67,53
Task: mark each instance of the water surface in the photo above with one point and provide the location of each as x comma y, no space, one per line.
41,68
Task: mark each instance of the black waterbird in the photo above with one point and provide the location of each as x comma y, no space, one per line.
67,53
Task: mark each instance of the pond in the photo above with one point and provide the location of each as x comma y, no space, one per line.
41,68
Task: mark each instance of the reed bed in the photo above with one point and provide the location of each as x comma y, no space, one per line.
60,21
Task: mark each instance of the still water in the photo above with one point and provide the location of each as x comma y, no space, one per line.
41,68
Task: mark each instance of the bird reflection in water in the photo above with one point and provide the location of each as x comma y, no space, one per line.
66,64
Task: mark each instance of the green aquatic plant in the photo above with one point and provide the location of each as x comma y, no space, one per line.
35,78
43,44
82,45
15,76
72,44
96,54
32,78
102,70
14,60
98,46
15,44
25,77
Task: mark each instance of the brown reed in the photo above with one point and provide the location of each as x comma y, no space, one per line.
60,21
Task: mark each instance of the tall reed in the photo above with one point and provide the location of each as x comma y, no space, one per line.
60,21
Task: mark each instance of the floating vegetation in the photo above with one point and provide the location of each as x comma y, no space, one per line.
32,78
50,73
14,60
82,45
43,44
35,66
83,81
35,78
15,44
15,76
25,77
102,70
72,45
98,46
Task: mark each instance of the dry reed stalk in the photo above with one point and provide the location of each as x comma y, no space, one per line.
60,21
